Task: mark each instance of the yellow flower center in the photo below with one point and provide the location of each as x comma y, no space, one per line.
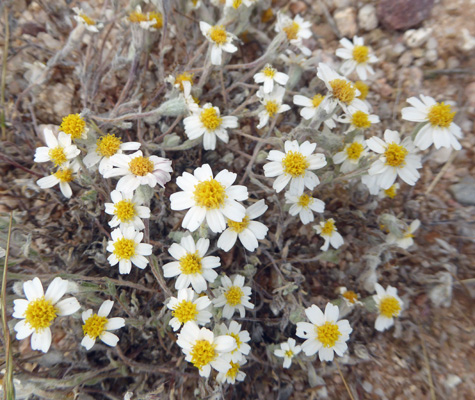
73,125
305,200
351,296
218,34
292,31
108,145
137,17
40,313
141,166
185,76
185,311
238,227
289,353
360,54
328,228
295,164
317,100
124,210
391,192
233,371
87,20
237,4
124,249
238,341
269,71
157,17
94,326
354,150
210,194
203,353
191,264
389,307
57,156
210,119
395,155
64,175
343,90
267,15
360,120
233,295
272,107
363,88
440,115
328,334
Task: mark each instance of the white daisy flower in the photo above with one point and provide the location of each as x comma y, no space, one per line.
389,306
137,170
234,373
203,349
151,21
234,296
391,192
59,150
63,176
191,267
350,298
210,198
104,148
304,205
187,306
294,166
358,119
89,23
208,123
327,230
406,239
295,30
98,326
272,104
127,210
39,310
341,90
268,75
357,56
242,337
288,350
351,154
220,40
325,333
179,80
439,128
248,231
397,159
311,107
127,249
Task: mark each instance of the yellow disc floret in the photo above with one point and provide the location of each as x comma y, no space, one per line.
141,166
360,120
292,31
233,371
137,17
328,228
185,311
269,71
73,125
363,88
317,100
125,210
237,4
351,296
191,264
94,326
354,150
40,313
57,156
305,200
295,164
391,192
210,119
218,34
202,353
64,175
289,353
238,227
185,76
210,194
360,54
233,295
271,107
389,307
108,145
395,155
157,17
343,90
238,341
124,249
440,115
87,20
328,334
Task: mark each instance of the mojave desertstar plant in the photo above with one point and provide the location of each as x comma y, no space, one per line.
327,230
58,150
220,41
272,103
389,306
40,309
63,176
288,350
233,296
357,56
304,205
268,75
188,306
127,210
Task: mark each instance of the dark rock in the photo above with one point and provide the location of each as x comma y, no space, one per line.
403,14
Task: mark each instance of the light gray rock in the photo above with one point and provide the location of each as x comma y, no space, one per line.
464,192
367,17
417,37
346,22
